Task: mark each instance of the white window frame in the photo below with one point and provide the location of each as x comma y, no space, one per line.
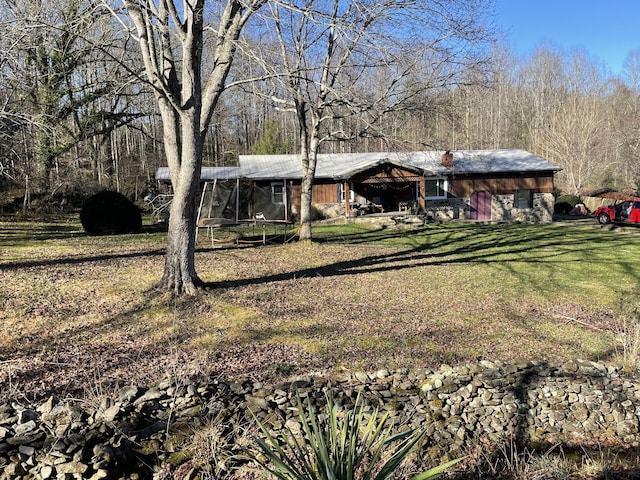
275,194
352,193
442,185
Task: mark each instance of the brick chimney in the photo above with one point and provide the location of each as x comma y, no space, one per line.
447,159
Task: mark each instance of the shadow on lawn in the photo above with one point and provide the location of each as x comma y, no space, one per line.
427,246
80,259
482,244
469,245
19,235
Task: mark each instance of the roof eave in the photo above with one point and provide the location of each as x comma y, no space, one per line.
351,173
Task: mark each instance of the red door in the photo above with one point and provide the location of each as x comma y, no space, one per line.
480,205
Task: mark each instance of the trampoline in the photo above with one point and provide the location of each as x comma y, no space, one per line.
237,202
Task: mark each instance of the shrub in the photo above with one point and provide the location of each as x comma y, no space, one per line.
317,214
108,213
340,446
565,203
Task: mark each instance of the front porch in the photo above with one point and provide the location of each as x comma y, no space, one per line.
382,189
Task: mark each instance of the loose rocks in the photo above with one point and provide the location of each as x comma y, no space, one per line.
150,430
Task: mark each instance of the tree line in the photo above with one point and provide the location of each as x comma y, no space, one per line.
96,94
76,115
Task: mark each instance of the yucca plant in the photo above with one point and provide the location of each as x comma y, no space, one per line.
338,446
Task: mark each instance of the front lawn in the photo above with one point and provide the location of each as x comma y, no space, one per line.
78,314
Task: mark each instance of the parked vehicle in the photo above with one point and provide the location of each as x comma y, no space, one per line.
625,212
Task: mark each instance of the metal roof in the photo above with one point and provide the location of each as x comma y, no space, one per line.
341,166
207,173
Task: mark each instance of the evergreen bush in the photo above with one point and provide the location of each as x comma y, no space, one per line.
110,213
566,203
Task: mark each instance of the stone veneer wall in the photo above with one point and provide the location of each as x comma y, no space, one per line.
449,209
502,209
542,212
150,429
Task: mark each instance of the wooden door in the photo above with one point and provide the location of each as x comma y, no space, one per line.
480,205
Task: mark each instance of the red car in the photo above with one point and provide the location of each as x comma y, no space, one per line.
624,212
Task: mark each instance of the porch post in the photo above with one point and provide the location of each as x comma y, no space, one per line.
421,200
237,199
347,203
285,199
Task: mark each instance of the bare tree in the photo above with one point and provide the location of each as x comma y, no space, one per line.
576,132
67,86
625,118
363,59
574,137
172,38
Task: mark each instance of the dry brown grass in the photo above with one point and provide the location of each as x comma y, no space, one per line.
79,312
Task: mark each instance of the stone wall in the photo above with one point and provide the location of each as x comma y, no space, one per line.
592,203
151,430
502,209
449,209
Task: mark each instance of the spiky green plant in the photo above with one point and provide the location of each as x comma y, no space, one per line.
340,446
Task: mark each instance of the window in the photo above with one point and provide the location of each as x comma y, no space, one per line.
277,192
435,187
352,193
523,199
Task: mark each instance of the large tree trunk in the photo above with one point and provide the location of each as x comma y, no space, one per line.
306,202
185,108
179,265
309,154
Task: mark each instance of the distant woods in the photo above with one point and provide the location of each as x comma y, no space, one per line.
76,117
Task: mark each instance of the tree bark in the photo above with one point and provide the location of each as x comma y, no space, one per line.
306,202
180,275
186,107
309,155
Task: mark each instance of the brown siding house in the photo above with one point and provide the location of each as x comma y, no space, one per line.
484,185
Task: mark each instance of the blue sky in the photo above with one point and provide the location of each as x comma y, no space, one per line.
607,29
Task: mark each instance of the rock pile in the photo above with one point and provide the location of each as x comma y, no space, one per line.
157,430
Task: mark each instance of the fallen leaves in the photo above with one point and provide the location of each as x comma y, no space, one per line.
80,323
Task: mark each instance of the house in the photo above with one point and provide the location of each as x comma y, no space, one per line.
496,185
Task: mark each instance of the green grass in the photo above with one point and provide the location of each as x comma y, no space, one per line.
357,298
530,260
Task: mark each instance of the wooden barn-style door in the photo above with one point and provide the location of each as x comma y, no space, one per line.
480,205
